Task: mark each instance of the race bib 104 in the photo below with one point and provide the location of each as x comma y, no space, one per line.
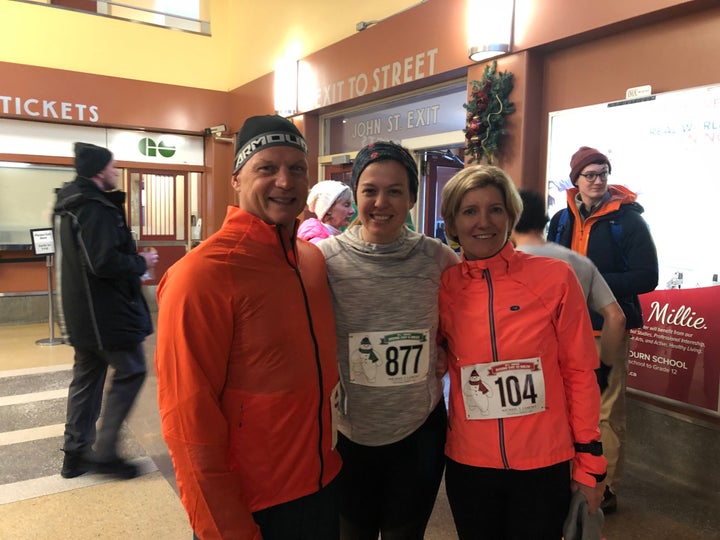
388,358
503,389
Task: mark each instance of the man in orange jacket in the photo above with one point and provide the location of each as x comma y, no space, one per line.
245,358
603,222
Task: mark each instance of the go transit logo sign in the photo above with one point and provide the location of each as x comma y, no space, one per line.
148,147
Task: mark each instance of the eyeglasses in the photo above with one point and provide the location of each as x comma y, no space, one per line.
591,176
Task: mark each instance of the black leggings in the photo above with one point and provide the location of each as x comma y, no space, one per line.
391,489
500,504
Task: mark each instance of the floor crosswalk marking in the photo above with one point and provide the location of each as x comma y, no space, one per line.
32,412
37,487
33,397
31,434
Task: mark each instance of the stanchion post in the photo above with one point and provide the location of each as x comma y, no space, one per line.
43,243
52,340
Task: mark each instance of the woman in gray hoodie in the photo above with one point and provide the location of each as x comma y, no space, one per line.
384,280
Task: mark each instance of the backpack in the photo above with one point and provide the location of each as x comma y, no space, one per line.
615,231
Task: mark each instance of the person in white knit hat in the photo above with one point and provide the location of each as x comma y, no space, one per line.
331,201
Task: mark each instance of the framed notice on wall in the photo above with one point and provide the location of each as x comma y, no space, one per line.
43,242
665,149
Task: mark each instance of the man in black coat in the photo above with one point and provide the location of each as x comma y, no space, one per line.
106,315
603,222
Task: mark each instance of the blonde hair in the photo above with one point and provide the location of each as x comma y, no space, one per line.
478,176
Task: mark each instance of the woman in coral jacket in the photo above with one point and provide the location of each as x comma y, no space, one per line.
524,401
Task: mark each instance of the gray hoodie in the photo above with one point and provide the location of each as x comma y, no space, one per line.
385,301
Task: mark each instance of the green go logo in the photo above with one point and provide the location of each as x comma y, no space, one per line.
150,148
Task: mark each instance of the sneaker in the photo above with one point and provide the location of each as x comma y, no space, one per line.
117,467
609,501
74,464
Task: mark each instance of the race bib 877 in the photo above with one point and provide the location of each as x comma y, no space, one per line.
388,358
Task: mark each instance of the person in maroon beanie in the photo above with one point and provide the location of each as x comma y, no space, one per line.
616,238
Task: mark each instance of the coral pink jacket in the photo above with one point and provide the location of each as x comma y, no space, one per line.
517,306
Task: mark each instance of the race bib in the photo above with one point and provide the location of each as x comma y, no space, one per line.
388,358
503,389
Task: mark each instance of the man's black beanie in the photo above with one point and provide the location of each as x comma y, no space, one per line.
260,132
90,159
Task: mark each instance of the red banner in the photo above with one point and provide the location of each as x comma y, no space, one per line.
677,354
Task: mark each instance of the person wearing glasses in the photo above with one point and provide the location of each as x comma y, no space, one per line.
603,222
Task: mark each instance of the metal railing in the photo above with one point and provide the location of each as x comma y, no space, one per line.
140,11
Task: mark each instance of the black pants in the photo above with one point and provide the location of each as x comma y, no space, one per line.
499,504
86,393
391,489
313,517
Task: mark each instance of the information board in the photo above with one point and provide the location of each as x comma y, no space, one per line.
43,242
666,149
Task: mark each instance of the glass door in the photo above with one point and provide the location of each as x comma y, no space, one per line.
158,211
437,168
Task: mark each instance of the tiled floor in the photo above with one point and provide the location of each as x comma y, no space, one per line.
35,503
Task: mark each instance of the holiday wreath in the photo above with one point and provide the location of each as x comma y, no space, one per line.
486,111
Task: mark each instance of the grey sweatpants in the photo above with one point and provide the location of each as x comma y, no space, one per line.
86,393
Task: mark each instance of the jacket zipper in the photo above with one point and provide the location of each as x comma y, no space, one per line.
318,365
493,343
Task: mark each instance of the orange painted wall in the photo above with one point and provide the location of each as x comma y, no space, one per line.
123,103
543,22
669,55
22,276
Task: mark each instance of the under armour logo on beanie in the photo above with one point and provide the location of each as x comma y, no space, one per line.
260,132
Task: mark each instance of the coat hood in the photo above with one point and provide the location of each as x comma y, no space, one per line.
616,197
73,194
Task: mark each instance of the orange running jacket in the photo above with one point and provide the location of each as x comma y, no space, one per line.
246,363
516,306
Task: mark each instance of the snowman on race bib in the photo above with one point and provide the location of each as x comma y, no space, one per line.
364,363
477,394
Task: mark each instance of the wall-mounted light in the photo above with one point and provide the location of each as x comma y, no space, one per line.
286,86
489,28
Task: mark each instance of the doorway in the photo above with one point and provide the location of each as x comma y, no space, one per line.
436,166
159,216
